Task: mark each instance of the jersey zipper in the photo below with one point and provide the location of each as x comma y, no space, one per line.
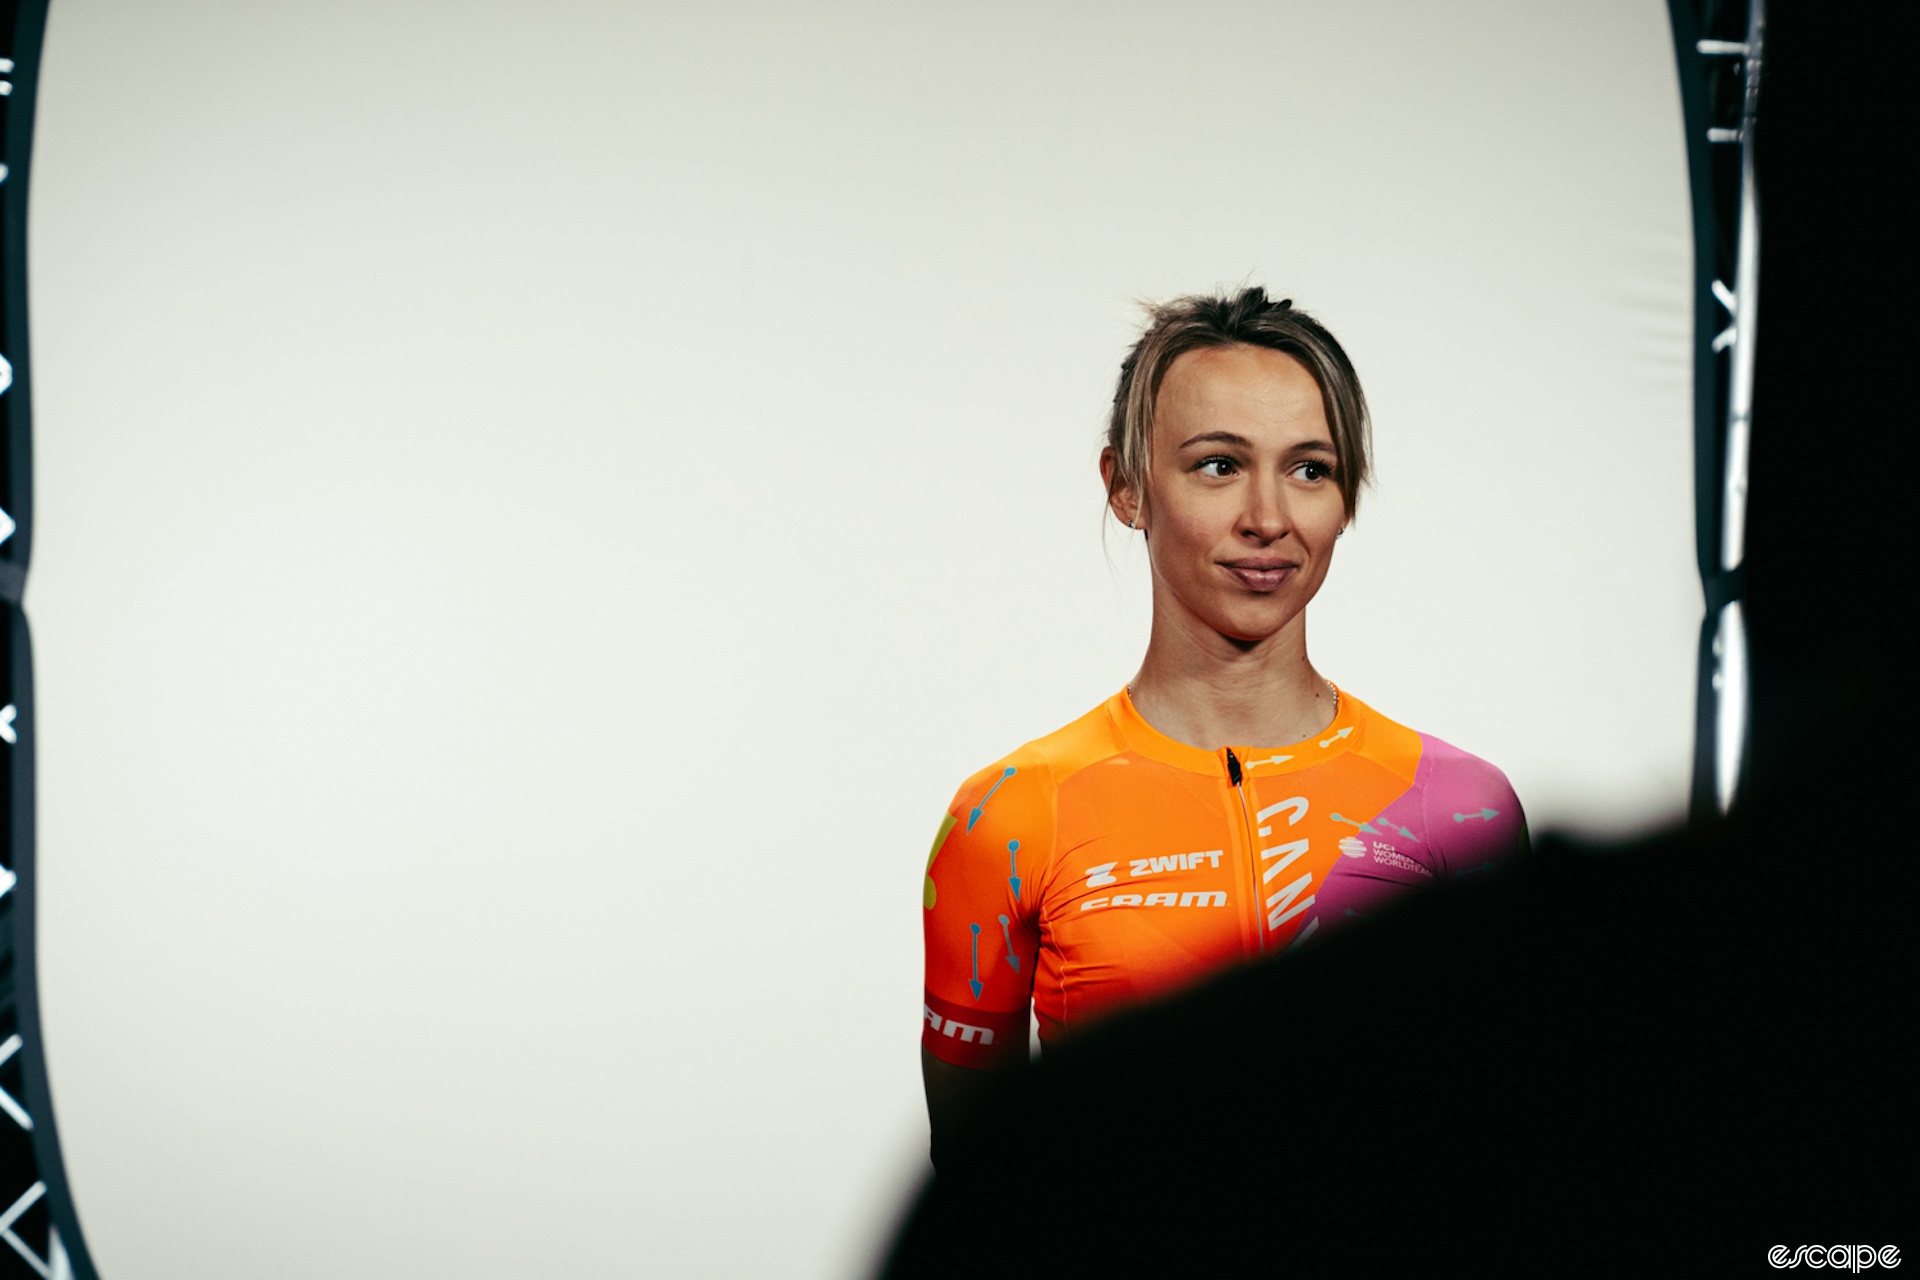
1236,775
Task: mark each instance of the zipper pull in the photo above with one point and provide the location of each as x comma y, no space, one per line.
1233,767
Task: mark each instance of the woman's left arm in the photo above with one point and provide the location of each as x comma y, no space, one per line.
1475,818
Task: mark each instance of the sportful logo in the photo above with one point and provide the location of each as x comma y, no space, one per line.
965,1031
1281,904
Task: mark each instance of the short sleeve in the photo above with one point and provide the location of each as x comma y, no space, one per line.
979,904
1473,813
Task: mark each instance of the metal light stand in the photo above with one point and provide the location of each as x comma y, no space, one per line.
39,1234
1719,48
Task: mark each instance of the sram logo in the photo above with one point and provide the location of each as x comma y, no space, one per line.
1194,898
966,1032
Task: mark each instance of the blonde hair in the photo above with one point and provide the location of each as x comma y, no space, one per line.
1247,318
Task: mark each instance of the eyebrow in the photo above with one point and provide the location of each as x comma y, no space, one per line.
1228,437
1217,437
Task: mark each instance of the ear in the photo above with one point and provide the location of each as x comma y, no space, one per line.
1125,504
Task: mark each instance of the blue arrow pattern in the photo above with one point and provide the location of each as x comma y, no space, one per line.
1391,828
974,815
1012,959
974,982
1013,864
1485,814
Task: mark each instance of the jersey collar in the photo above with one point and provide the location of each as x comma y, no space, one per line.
1343,735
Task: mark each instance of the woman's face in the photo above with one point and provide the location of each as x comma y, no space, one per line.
1242,503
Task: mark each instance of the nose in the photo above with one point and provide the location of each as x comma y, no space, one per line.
1265,518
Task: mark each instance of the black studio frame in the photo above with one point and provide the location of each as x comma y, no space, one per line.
1792,127
1719,49
39,1230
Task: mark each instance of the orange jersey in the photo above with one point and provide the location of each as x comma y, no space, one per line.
1106,863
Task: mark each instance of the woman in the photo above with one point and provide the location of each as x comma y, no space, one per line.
1229,802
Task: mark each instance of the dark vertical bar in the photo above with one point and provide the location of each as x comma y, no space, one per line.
22,30
39,1229
1706,437
1712,95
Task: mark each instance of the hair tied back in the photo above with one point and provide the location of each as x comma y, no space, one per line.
1251,318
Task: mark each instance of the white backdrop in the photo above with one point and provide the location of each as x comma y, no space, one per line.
539,507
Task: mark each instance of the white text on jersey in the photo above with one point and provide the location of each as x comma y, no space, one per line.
1173,862
1194,898
967,1032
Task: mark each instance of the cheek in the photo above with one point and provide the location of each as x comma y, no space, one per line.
1322,523
1194,533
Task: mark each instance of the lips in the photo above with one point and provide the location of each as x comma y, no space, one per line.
1261,573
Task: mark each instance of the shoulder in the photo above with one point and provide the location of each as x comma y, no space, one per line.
1012,805
1464,804
1385,741
1470,806
1449,769
1046,762
1003,816
1422,757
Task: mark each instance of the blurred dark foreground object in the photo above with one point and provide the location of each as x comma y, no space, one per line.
1666,1056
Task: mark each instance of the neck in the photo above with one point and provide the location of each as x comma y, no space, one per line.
1209,691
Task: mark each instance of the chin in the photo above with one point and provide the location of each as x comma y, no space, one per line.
1252,626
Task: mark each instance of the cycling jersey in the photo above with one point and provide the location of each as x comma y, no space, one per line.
1106,863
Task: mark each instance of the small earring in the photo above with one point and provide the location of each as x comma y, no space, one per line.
1131,519
1342,533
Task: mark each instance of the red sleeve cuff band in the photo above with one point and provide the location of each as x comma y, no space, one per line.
974,1037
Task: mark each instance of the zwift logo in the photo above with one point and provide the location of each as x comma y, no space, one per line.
1175,862
1099,877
